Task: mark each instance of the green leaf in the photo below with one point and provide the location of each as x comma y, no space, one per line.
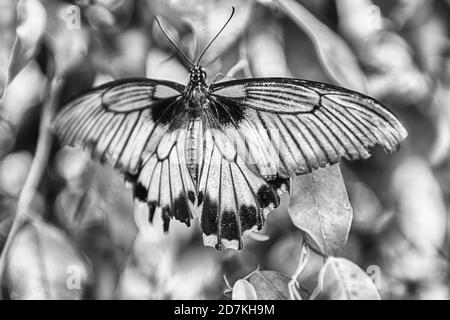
341,279
320,207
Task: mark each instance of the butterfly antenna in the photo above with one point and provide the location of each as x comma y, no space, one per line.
220,31
173,42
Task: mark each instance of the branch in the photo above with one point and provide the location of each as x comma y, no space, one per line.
38,166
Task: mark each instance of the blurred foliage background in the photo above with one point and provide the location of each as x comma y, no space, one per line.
83,226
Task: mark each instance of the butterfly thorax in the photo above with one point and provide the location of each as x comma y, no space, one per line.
197,76
196,88
196,99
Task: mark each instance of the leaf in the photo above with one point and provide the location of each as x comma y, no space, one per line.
341,279
8,18
441,147
405,265
7,136
13,172
195,275
394,73
266,51
334,54
132,50
6,219
206,18
108,16
31,28
270,285
69,42
100,17
158,67
359,19
95,195
18,103
320,207
153,262
243,290
43,264
423,215
369,215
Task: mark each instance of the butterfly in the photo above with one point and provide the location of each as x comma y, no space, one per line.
222,152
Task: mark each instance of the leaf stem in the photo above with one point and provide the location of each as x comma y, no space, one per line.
37,169
302,262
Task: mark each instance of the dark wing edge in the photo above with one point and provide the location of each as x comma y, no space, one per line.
233,201
116,121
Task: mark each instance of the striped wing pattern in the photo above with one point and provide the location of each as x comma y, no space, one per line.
291,126
229,163
164,183
120,122
131,124
233,200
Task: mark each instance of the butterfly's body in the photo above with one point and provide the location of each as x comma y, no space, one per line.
194,144
196,107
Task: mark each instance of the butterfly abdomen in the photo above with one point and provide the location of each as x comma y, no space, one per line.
194,147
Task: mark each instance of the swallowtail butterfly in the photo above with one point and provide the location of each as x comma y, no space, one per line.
223,152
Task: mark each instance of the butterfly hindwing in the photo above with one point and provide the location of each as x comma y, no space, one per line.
164,181
233,200
302,125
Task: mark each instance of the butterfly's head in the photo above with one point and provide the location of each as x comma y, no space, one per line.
198,75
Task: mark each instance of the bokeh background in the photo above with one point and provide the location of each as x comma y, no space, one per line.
84,231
